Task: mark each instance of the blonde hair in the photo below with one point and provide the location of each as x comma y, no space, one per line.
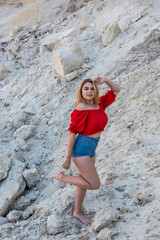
96,92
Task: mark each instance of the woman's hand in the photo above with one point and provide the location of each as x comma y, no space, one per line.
100,80
67,162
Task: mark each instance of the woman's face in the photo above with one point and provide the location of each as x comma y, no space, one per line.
88,91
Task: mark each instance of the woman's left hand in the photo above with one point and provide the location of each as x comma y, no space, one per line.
66,163
100,80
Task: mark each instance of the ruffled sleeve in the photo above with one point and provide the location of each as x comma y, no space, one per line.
107,99
78,119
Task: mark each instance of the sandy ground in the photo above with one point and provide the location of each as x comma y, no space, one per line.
40,12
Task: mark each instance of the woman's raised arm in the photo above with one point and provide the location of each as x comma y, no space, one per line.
113,86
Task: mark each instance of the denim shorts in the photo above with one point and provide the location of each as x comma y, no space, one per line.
85,146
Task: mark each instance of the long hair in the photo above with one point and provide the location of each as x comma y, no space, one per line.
96,92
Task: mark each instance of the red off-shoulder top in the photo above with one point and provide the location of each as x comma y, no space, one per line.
91,121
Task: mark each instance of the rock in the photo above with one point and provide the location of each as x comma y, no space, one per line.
35,120
145,154
21,63
49,114
3,72
138,15
31,176
129,125
22,144
12,187
3,220
14,215
14,48
123,210
5,164
141,198
109,33
10,58
103,219
42,50
51,122
21,204
143,12
54,225
86,66
104,234
14,31
67,57
120,188
124,23
24,132
137,141
141,237
83,26
111,176
51,40
135,97
155,165
18,119
70,76
30,111
28,212
33,195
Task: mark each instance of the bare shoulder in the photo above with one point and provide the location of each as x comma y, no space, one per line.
81,106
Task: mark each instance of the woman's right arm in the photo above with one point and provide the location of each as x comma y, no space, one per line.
70,145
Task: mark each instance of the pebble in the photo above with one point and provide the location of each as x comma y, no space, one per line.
14,215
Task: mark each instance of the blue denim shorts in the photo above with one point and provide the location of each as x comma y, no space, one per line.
85,146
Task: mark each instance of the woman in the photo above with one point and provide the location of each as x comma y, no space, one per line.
88,120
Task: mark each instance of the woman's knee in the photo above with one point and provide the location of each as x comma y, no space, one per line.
96,185
93,185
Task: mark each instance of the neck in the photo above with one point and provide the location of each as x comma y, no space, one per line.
90,102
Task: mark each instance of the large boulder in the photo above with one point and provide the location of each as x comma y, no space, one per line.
14,215
54,225
18,119
24,132
31,176
104,234
11,187
103,219
109,33
68,57
21,204
70,76
5,164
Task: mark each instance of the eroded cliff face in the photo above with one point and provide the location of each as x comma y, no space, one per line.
40,41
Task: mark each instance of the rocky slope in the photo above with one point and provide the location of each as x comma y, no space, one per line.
46,49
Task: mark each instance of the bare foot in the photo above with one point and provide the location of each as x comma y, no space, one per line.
58,176
82,218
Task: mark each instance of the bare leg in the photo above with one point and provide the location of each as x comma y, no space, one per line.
88,179
79,198
74,180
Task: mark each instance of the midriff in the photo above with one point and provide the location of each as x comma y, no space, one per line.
96,135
